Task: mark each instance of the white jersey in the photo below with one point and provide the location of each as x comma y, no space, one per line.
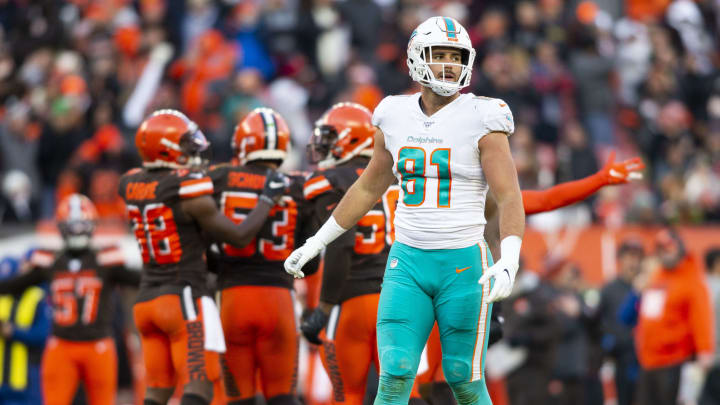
437,163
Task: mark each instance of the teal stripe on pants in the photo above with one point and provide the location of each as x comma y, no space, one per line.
421,286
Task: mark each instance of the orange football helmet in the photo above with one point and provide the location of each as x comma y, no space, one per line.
76,217
168,138
261,135
343,132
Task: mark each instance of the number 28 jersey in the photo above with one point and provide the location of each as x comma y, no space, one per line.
170,241
437,163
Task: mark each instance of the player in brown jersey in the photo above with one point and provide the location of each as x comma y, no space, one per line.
262,339
169,204
342,144
81,279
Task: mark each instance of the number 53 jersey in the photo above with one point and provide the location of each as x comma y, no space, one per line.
437,163
260,262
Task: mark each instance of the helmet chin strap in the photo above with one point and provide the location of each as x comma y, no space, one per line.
440,90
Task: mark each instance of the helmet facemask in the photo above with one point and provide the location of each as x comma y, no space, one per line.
420,59
324,148
77,233
322,141
195,148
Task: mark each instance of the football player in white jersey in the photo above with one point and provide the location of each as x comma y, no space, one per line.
447,150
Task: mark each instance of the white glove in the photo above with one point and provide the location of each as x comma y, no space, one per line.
312,247
504,270
297,259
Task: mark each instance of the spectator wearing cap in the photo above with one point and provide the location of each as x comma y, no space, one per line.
617,339
711,392
675,322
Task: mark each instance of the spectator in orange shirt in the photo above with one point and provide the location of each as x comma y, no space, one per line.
675,322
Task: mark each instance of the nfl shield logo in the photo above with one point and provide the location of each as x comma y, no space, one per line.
393,263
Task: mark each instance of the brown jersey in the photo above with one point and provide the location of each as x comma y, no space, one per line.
367,243
80,289
237,189
172,247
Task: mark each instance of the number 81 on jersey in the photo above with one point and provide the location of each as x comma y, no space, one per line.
411,165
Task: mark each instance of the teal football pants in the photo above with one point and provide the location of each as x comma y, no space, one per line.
421,286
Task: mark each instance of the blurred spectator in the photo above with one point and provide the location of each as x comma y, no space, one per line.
675,322
531,323
572,353
576,156
593,72
18,151
63,133
617,339
15,199
711,392
639,75
554,85
243,25
24,326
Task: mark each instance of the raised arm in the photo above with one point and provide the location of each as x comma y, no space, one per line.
563,194
358,200
502,179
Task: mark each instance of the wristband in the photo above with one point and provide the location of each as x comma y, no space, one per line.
510,248
329,231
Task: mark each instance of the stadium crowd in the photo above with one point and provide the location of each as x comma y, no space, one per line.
582,78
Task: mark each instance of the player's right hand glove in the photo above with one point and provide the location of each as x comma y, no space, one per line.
297,259
274,188
622,172
313,324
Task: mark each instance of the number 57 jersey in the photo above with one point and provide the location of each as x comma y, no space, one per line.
437,163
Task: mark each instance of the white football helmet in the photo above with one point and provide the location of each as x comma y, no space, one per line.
439,32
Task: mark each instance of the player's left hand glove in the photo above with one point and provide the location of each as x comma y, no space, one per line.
313,324
504,270
622,172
